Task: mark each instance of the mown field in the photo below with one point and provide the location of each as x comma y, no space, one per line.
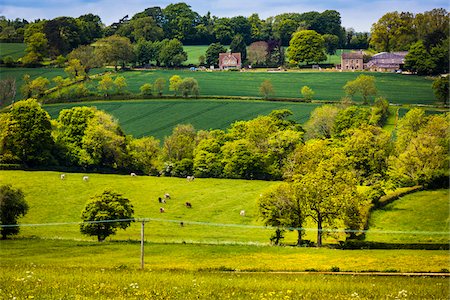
15,50
201,260
158,117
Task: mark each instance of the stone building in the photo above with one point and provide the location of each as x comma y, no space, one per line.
387,62
230,61
352,61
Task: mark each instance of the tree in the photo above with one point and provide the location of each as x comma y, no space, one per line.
240,160
392,32
174,83
331,43
258,53
180,144
364,85
105,213
75,70
189,86
7,90
146,89
320,124
418,60
212,54
28,133
37,48
106,85
266,89
116,50
422,151
307,92
172,53
144,154
306,46
351,117
145,28
282,207
238,46
440,89
159,85
12,206
87,57
121,84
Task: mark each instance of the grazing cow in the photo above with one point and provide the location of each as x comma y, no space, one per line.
85,178
160,200
133,174
181,224
161,209
242,213
166,196
188,204
63,176
190,178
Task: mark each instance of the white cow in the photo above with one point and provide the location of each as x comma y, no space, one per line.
190,178
63,176
85,178
133,174
242,213
166,196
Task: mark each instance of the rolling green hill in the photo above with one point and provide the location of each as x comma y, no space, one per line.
158,117
418,212
214,216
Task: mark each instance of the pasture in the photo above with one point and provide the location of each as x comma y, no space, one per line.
221,255
158,117
214,217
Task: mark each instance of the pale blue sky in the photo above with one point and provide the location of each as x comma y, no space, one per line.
359,14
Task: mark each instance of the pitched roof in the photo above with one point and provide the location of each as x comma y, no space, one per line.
352,55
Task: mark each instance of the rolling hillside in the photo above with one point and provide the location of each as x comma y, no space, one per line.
214,216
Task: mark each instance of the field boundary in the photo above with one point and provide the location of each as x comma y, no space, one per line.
419,274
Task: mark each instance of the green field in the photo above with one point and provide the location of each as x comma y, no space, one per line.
201,260
215,215
157,117
421,211
15,50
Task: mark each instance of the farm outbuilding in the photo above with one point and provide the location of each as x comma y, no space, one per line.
387,62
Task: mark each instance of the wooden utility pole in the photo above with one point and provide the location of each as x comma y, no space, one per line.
142,244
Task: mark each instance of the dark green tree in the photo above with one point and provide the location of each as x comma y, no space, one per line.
238,46
440,89
108,206
12,206
419,60
212,54
28,133
172,53
115,50
306,46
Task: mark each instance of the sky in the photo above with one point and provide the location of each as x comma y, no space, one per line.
357,14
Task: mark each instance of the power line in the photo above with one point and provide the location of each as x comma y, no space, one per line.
231,225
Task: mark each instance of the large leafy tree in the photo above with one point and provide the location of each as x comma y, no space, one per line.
212,54
115,50
105,213
441,89
306,46
28,133
283,206
238,46
320,124
419,60
12,206
364,85
87,57
63,35
172,53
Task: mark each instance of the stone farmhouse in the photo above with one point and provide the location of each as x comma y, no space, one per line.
387,62
352,61
230,61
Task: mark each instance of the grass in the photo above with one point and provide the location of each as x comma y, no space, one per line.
214,217
63,282
158,117
15,50
421,211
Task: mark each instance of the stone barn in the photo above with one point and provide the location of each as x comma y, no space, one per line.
230,61
352,61
387,62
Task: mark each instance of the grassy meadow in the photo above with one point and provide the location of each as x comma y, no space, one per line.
217,254
158,117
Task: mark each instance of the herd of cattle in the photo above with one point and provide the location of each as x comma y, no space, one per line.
160,199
